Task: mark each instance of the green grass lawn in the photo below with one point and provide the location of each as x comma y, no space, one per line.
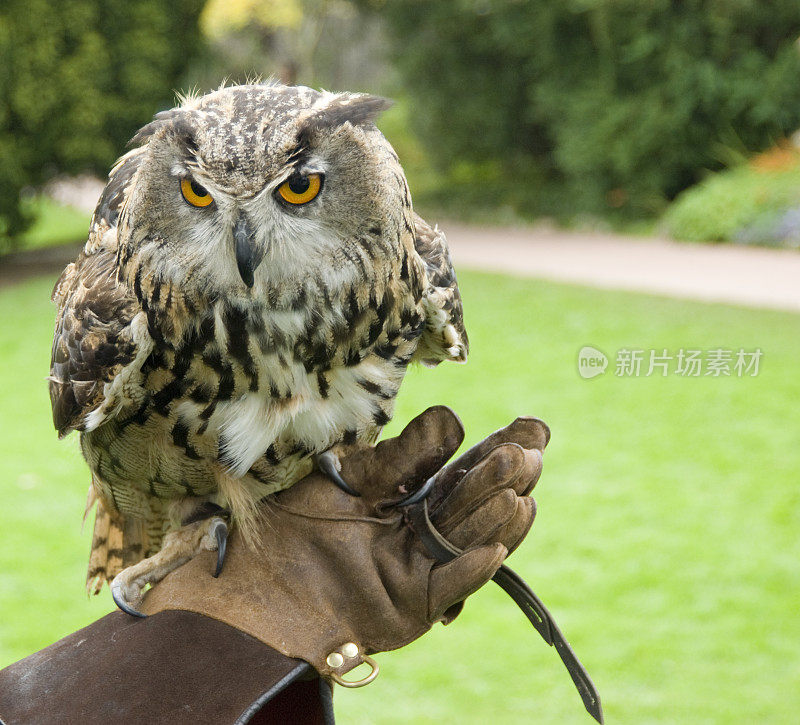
666,543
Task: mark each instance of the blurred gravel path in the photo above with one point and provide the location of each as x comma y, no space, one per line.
751,276
19,266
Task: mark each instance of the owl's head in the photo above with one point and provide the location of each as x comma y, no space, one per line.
252,185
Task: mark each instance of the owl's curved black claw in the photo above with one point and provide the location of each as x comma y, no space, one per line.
220,531
417,496
122,603
329,464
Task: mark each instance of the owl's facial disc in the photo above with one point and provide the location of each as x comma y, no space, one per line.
253,187
248,253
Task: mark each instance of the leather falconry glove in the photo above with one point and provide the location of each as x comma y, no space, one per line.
337,578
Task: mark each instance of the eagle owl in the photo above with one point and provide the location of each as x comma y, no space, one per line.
254,286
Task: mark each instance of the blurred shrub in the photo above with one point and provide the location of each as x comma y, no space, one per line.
222,17
748,204
596,105
79,77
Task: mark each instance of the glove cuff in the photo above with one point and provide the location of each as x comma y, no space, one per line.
177,667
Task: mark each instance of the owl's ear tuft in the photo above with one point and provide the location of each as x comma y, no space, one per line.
355,108
160,120
180,123
184,131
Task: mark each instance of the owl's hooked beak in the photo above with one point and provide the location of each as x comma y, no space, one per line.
248,254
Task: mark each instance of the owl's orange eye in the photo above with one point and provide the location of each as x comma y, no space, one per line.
195,194
300,188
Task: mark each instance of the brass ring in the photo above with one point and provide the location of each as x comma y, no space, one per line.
339,680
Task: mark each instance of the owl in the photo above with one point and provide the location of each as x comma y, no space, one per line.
253,289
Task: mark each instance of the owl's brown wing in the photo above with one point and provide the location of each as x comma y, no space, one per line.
101,330
445,337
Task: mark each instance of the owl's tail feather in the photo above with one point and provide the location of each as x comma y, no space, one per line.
105,561
118,541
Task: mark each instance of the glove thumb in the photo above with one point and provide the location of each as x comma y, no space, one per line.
451,583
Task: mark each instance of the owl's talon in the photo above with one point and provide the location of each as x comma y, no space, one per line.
220,531
417,496
179,547
328,463
119,599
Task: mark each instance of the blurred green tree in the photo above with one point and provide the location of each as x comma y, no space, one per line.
592,105
79,77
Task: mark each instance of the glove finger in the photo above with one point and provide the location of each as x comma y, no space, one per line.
512,534
482,525
451,583
402,464
508,466
529,433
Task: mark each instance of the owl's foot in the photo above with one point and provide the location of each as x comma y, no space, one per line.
179,547
328,463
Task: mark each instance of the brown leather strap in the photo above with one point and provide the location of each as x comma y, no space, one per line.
514,585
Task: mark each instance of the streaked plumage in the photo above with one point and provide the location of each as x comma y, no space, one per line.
188,386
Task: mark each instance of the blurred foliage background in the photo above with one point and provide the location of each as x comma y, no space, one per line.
78,78
597,112
595,106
